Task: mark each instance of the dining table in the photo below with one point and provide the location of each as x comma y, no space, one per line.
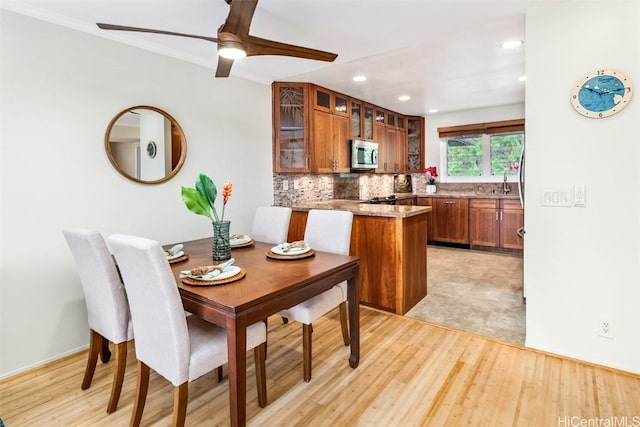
270,284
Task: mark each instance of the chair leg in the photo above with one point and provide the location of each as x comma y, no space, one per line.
180,397
307,331
141,394
219,371
95,341
105,353
260,355
344,323
285,320
118,376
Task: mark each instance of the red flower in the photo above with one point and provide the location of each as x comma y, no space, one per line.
226,192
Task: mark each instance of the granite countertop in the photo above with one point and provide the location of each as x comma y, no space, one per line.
465,195
363,208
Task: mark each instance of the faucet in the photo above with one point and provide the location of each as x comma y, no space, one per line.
505,186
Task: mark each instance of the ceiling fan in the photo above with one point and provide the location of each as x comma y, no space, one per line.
234,40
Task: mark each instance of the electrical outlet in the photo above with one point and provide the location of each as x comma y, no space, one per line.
285,185
605,328
296,184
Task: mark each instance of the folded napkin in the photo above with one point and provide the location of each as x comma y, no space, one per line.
174,250
298,245
208,272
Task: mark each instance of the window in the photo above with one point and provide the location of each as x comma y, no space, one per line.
482,151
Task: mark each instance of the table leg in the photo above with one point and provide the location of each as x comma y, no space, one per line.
237,349
353,297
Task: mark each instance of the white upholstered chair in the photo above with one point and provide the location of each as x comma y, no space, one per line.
107,306
327,231
271,224
180,348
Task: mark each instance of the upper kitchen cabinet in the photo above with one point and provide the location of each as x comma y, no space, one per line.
331,123
356,119
291,122
415,144
367,122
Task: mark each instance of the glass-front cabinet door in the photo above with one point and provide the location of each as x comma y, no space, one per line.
415,144
367,128
290,123
356,119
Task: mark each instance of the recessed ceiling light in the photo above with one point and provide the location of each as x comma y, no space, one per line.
404,97
512,44
522,78
359,78
433,110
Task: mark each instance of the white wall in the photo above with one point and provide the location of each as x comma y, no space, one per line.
60,88
436,151
581,264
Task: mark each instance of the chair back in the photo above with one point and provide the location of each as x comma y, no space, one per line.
271,224
104,294
159,322
329,231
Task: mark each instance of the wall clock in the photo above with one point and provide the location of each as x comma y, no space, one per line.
602,93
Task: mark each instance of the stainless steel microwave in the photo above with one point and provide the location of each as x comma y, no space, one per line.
364,154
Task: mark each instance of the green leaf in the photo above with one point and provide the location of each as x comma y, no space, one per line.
207,189
195,202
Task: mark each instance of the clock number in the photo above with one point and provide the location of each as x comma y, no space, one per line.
574,96
601,72
600,115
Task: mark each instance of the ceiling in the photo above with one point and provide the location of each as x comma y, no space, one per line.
444,54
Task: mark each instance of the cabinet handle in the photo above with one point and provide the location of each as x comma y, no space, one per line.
500,215
496,215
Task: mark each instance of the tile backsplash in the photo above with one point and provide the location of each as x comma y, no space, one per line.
362,186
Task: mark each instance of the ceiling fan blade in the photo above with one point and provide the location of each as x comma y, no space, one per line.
258,46
149,30
224,67
239,19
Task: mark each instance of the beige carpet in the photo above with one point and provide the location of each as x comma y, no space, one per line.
475,291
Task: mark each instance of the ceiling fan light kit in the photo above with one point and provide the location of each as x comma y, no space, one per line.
234,40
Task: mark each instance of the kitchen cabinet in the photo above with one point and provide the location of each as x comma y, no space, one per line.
393,257
356,119
407,201
415,144
367,129
291,122
451,220
427,201
331,132
493,223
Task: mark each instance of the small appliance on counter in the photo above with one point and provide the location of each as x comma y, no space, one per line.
402,183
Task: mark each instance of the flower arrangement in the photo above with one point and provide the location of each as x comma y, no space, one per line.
431,173
201,199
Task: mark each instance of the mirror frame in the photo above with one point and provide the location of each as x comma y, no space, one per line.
174,123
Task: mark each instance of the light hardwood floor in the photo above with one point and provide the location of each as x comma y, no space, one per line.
411,374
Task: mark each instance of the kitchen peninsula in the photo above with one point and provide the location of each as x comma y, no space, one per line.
391,243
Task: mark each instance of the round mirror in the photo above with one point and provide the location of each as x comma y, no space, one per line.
145,144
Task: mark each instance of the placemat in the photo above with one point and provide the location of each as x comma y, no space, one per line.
194,282
243,245
273,255
184,257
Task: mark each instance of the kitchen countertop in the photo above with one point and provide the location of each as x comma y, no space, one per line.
364,208
462,195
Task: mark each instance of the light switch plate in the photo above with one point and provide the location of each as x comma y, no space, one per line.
579,196
557,198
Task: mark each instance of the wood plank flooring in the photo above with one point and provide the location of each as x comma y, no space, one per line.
411,374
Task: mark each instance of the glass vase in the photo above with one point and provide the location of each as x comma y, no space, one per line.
221,248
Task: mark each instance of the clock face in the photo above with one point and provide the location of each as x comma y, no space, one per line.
601,94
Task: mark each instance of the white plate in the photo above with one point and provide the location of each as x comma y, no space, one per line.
176,255
296,251
241,240
228,272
